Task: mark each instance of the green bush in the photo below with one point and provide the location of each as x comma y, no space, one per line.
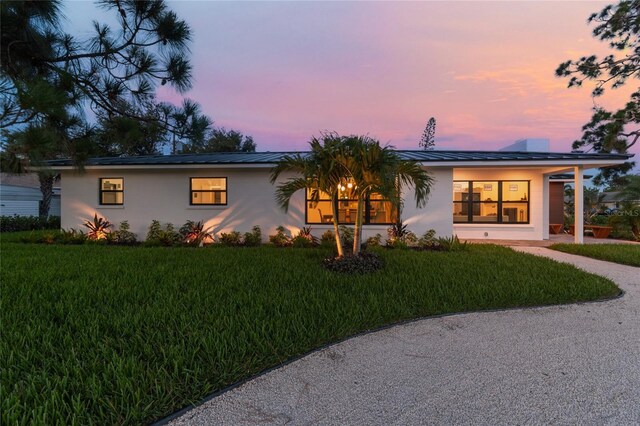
346,235
231,239
123,236
280,238
328,239
398,236
71,236
28,223
374,241
253,238
452,244
428,241
159,236
304,239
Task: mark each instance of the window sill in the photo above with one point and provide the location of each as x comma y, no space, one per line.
495,225
102,207
190,207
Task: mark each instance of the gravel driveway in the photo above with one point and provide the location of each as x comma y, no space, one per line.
577,364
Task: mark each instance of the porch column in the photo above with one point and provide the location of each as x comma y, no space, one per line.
578,204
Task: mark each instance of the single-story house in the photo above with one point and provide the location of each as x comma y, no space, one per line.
476,194
20,195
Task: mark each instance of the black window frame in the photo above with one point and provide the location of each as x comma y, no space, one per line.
102,191
225,191
367,210
470,203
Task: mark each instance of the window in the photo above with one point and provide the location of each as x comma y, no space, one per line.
208,191
111,191
491,201
377,210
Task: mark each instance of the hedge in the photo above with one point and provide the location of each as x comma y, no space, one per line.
28,223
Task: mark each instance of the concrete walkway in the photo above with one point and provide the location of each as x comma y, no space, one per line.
576,364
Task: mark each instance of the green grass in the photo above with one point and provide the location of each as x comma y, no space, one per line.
126,335
626,254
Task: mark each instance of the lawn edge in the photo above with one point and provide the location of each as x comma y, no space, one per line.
166,420
551,247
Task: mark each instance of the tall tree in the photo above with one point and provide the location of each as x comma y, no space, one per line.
48,78
114,65
611,131
222,140
428,141
188,126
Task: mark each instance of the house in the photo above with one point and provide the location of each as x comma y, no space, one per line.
477,194
20,195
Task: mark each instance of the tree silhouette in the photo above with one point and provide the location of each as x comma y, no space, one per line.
427,141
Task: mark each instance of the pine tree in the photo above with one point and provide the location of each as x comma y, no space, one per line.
427,142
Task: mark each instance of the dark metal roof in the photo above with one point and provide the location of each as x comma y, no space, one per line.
567,176
274,157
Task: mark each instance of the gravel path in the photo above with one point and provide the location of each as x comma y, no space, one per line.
577,364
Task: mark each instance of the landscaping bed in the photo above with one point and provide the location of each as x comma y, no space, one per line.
127,335
626,254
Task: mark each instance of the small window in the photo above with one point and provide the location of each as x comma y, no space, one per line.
111,191
208,191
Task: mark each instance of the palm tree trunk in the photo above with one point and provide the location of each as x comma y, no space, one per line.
357,237
46,187
336,228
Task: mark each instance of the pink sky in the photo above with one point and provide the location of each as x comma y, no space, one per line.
283,71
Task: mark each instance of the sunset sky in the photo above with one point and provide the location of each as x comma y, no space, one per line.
284,71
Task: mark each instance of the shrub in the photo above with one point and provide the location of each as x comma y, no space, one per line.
156,235
154,232
71,236
304,239
193,234
428,241
280,238
346,235
231,239
452,244
375,241
98,228
363,263
253,238
300,241
328,239
122,236
398,236
28,223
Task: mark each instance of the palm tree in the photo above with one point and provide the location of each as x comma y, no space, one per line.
378,169
321,171
337,161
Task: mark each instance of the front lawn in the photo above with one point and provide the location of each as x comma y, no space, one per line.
626,254
125,335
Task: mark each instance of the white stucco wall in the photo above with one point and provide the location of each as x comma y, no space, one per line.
536,229
437,214
163,194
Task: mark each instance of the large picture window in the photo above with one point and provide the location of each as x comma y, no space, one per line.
111,191
377,210
208,191
505,201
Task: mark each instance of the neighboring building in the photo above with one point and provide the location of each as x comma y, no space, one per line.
477,194
20,195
